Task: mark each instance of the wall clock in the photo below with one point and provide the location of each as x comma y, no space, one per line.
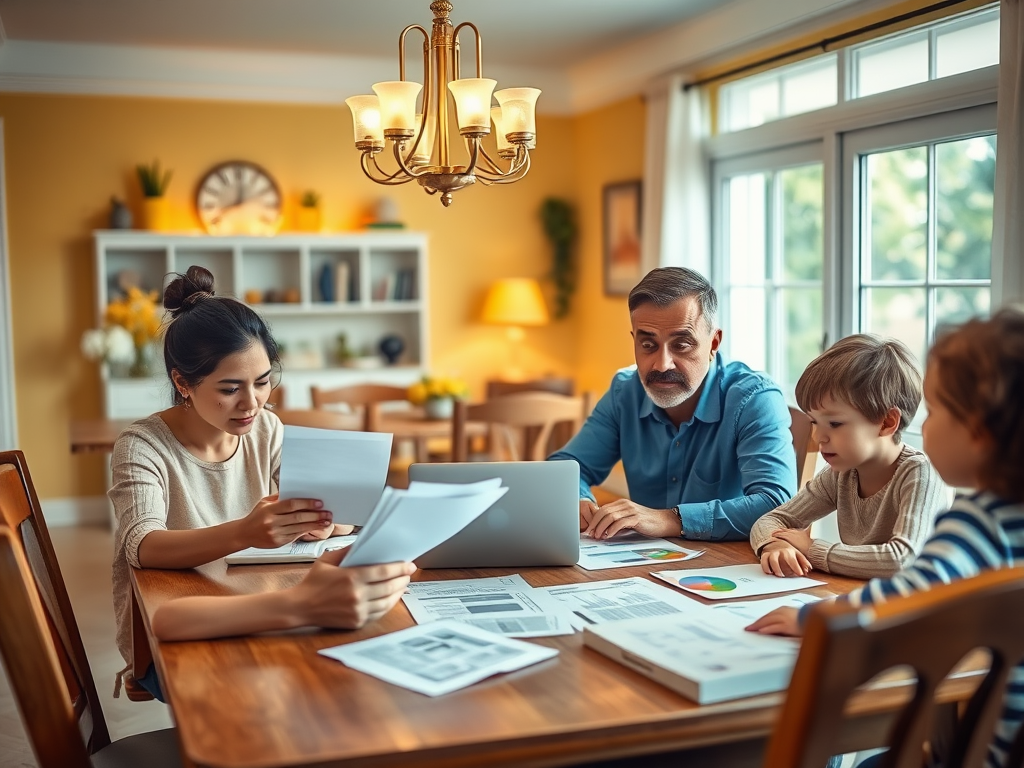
239,198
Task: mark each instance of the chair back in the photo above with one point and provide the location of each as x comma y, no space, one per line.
844,647
33,588
277,397
364,397
804,444
321,419
539,412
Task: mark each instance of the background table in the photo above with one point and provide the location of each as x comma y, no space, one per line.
272,700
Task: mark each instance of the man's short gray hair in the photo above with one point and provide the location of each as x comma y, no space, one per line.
665,286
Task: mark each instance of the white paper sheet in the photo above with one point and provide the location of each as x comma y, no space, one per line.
598,602
506,605
345,470
731,581
439,657
407,523
296,552
631,549
750,611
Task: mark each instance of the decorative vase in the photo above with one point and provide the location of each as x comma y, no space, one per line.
439,407
120,216
155,213
142,367
308,219
391,347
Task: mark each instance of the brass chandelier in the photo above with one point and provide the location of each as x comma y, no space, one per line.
420,137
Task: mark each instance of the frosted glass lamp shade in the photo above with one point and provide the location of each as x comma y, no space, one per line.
473,104
518,109
366,120
504,147
426,146
398,106
515,301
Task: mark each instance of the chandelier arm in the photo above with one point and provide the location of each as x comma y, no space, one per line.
401,47
479,48
474,155
490,163
392,180
426,78
403,168
514,175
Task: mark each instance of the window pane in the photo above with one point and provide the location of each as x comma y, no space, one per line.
888,65
965,177
803,253
810,87
751,102
802,334
898,209
957,305
898,313
747,229
748,327
964,49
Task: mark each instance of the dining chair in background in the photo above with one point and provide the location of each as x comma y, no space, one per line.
844,647
363,398
320,419
805,446
42,647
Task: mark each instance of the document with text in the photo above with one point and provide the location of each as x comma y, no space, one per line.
729,581
630,549
296,552
598,602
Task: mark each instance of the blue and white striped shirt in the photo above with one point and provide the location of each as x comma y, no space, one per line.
980,532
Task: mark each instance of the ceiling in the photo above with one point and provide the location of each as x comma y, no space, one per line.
545,33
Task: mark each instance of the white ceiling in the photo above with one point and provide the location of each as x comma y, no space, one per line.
545,33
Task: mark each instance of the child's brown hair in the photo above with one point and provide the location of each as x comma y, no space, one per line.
869,373
979,372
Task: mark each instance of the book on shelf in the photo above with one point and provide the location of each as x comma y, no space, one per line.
342,279
396,286
704,654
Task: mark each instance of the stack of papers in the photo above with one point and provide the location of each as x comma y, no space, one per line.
296,552
731,581
630,549
598,602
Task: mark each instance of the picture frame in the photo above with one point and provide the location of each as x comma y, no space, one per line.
622,206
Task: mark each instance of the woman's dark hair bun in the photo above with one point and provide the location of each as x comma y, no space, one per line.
185,290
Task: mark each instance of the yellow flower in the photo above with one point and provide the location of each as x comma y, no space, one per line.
431,388
417,393
137,313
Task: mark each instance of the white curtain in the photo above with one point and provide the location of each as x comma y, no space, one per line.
676,218
1008,214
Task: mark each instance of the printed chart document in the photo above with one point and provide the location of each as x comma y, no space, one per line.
623,551
439,657
597,602
505,605
296,552
407,523
733,581
345,470
704,654
750,611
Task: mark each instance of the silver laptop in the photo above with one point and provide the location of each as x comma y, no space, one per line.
535,523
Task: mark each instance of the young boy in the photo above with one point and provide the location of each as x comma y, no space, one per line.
860,395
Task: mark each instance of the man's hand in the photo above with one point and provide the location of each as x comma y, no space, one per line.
623,514
781,621
798,538
783,559
587,511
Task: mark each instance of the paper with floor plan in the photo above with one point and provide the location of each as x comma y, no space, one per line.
345,470
731,581
439,657
506,605
296,552
630,549
598,602
407,523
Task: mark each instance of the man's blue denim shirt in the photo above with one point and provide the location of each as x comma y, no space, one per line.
724,468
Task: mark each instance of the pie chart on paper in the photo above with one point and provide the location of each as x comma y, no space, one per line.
707,584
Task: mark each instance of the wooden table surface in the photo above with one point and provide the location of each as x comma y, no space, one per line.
271,700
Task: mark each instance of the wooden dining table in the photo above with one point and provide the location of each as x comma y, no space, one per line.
271,700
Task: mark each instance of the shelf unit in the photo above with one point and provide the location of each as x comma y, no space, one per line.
386,294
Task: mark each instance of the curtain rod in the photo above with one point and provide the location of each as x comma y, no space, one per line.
825,43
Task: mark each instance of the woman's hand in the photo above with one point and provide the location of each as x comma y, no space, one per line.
347,598
274,522
325,533
781,621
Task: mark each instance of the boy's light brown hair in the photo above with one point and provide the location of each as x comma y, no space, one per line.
870,374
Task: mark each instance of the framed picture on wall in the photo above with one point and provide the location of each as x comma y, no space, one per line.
621,237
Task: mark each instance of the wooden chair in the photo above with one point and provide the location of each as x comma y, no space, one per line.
321,419
930,632
277,397
538,410
804,444
366,397
42,647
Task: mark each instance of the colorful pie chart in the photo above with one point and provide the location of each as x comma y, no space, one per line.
707,584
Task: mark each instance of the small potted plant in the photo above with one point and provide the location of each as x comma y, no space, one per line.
154,182
437,395
308,219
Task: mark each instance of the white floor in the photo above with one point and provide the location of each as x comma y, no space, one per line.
84,554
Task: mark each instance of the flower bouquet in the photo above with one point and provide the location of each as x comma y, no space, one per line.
130,325
437,395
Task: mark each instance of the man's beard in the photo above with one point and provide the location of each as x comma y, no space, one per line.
667,398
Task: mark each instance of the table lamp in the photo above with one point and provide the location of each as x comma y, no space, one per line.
515,302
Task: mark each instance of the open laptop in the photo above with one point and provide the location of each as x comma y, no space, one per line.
535,523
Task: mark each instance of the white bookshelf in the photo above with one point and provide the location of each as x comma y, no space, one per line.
386,295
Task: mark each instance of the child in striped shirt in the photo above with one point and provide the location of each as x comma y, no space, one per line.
974,435
860,395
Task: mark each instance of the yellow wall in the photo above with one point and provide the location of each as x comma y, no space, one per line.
65,157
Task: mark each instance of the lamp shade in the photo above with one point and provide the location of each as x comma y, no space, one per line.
473,103
366,119
515,301
398,104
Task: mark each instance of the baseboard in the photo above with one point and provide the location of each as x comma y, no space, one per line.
78,510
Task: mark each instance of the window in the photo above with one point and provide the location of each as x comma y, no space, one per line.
789,90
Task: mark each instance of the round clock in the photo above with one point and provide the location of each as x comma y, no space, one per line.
239,198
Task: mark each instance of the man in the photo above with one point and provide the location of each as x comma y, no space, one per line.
705,444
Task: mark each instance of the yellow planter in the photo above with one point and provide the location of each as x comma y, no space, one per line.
155,214
307,219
